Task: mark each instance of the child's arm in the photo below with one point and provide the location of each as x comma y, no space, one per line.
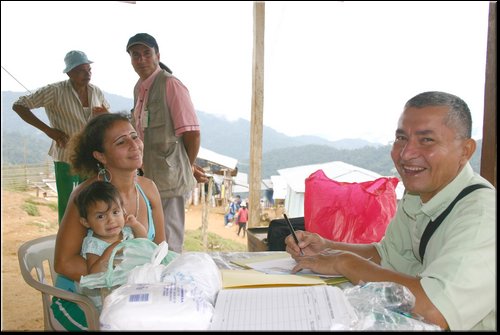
97,263
137,227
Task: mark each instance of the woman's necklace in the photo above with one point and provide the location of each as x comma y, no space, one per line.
136,203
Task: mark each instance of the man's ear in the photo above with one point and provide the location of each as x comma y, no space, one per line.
469,147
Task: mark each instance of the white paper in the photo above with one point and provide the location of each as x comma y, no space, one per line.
283,266
283,308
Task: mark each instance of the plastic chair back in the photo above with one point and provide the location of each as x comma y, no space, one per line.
36,261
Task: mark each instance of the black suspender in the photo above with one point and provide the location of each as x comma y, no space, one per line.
433,225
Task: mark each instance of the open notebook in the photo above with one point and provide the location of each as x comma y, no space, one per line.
283,308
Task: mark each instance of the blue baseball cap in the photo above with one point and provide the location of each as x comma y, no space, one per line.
75,58
144,39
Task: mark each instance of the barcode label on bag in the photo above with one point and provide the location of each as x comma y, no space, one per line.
141,297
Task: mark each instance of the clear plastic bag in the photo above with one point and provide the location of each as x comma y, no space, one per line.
136,252
385,306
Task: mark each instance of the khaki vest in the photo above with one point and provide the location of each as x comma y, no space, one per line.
165,158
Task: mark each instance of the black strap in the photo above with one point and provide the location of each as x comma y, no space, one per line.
433,225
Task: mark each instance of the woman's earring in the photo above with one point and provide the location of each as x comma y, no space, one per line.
103,173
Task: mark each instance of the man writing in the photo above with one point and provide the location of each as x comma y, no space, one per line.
453,276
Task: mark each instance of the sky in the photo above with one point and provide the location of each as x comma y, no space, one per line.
336,69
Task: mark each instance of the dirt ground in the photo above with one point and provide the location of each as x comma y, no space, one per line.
21,304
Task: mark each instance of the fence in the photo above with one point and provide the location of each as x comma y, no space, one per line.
21,177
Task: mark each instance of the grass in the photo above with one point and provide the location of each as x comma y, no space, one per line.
30,206
36,202
31,209
193,242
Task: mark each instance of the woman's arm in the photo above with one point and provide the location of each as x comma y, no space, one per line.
153,195
67,258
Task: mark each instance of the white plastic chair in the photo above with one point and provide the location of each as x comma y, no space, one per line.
32,256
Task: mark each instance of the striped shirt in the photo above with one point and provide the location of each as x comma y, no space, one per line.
64,109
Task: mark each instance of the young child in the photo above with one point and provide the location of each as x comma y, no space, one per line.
101,211
242,218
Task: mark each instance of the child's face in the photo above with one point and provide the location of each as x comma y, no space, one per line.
104,220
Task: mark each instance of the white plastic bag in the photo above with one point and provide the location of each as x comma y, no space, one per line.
162,306
197,270
177,296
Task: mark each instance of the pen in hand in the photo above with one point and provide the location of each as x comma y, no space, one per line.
293,233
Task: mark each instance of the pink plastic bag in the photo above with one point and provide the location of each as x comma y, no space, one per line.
349,212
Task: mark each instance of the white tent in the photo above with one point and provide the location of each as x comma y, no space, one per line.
216,158
295,181
279,187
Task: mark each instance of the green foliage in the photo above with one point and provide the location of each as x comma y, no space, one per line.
36,202
194,242
31,209
18,148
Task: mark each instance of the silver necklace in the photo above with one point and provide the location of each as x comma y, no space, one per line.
136,203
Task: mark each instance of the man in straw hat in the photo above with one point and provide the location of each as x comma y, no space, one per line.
69,105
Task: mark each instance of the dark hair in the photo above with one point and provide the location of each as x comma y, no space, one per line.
91,139
97,191
166,68
458,118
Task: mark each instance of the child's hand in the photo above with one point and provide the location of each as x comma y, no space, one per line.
137,227
131,221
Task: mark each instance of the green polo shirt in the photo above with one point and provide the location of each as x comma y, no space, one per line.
459,269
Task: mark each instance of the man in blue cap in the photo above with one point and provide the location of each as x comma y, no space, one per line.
69,106
165,119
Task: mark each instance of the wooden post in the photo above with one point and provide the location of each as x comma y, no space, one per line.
257,114
204,221
489,147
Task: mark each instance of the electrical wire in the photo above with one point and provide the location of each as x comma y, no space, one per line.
15,79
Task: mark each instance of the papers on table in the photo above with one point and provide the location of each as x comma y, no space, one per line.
278,263
253,278
283,308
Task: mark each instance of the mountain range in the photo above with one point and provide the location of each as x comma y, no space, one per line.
230,138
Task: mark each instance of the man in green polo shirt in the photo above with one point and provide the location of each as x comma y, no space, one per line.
451,271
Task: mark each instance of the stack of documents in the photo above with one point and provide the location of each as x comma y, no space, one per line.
272,270
283,308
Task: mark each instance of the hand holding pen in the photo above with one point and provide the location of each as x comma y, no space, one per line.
310,243
293,233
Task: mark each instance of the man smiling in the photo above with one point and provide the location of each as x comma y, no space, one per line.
441,243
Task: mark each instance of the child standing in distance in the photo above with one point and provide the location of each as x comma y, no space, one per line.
101,211
242,218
